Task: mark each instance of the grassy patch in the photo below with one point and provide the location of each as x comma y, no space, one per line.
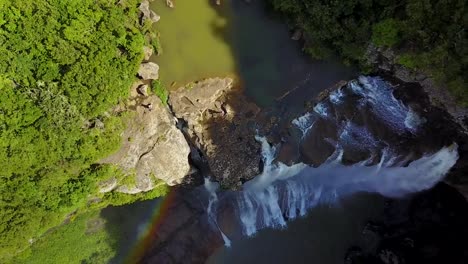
160,91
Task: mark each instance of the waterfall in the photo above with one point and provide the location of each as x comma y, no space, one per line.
283,192
305,123
211,188
336,96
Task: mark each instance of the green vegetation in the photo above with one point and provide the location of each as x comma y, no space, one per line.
83,240
116,198
385,33
160,91
427,35
63,65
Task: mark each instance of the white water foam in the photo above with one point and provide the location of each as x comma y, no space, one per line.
305,123
336,96
211,188
285,192
356,136
413,121
378,94
322,109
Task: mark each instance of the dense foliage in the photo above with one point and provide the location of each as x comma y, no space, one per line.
428,35
63,64
85,240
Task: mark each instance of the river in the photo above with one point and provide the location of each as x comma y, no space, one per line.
240,40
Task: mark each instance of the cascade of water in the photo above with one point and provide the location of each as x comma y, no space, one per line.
336,96
284,192
276,196
356,136
305,123
378,94
321,109
211,188
413,120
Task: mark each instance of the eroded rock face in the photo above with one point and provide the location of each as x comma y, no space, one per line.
153,148
220,122
149,71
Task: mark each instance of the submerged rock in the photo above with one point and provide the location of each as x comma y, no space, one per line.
149,71
169,3
153,148
220,122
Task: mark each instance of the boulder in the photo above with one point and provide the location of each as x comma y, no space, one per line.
143,90
153,148
149,71
148,52
169,3
219,120
147,13
154,17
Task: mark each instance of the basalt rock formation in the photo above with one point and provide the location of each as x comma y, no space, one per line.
220,122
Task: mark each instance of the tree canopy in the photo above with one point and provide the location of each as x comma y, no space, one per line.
427,35
63,65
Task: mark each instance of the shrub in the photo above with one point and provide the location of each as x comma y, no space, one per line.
385,33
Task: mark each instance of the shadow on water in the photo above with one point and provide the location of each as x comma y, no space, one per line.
322,236
268,62
241,40
126,224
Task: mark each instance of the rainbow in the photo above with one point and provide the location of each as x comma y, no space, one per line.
160,213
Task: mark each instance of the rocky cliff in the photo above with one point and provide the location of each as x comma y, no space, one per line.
220,122
153,147
208,127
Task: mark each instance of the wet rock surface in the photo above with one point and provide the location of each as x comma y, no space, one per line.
219,121
429,227
366,118
385,62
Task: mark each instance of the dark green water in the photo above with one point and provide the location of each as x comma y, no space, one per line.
239,40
